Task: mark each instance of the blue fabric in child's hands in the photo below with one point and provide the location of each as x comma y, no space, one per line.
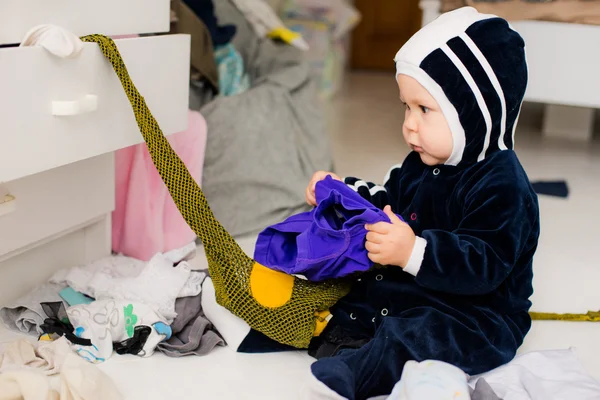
327,242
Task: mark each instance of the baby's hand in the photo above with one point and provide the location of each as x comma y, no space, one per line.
310,189
390,243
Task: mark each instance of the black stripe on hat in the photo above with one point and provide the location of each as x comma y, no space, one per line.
443,71
487,89
510,66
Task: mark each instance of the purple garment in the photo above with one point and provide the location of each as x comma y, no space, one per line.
327,242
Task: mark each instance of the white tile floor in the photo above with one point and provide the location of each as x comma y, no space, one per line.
365,123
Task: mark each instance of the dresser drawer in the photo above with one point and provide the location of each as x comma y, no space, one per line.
32,139
55,201
107,17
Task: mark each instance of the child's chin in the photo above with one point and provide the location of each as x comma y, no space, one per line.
431,161
428,160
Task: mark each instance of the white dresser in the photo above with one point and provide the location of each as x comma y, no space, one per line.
57,171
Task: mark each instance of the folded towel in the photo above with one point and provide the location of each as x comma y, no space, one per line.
26,314
193,333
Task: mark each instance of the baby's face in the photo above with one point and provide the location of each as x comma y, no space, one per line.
425,128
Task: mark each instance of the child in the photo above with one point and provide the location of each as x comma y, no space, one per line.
459,273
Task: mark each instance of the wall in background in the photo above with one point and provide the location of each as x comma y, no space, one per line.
386,25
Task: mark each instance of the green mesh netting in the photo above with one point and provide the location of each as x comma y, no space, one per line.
229,267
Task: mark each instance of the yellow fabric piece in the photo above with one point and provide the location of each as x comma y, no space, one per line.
270,288
322,320
283,33
293,323
591,316
45,338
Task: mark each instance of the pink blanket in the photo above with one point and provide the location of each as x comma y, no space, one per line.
146,220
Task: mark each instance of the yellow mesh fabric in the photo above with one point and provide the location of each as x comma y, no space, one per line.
591,316
293,323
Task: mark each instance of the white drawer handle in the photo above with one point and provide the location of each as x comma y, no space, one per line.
8,204
87,104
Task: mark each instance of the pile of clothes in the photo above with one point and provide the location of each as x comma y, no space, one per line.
120,304
216,61
26,372
266,125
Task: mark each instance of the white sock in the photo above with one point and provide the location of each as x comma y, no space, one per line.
105,322
56,40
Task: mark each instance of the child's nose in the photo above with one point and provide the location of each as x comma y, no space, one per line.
410,123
